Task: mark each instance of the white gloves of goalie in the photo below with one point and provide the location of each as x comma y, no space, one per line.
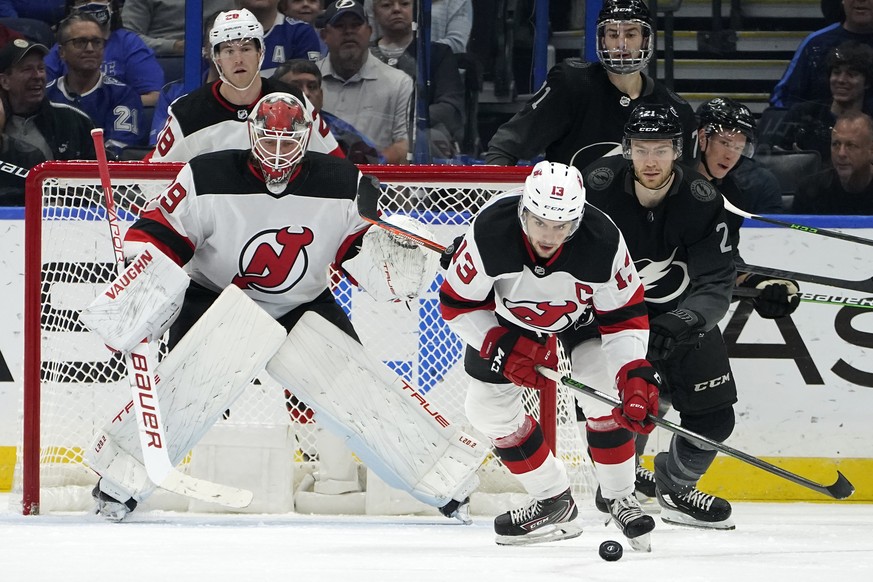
390,266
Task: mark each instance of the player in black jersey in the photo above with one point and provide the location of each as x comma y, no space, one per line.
214,116
726,134
674,222
532,267
578,114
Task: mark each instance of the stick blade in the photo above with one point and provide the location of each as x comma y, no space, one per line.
842,488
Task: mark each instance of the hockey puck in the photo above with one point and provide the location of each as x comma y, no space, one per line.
611,551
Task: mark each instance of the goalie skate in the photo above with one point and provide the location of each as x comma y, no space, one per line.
542,520
110,508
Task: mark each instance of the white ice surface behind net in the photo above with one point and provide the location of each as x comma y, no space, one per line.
773,542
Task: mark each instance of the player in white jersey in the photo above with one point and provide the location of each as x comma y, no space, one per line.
536,266
213,117
270,220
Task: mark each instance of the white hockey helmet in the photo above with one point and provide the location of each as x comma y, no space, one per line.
236,25
553,191
279,128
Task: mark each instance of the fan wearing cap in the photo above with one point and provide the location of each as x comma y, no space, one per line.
578,114
59,131
535,266
673,220
358,87
214,116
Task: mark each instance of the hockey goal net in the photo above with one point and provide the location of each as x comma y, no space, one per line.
73,385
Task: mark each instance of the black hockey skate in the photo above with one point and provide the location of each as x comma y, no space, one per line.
689,505
542,520
644,485
633,523
459,510
110,508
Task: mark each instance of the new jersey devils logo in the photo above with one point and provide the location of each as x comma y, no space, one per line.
542,314
273,261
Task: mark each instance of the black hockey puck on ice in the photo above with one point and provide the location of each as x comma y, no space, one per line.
611,551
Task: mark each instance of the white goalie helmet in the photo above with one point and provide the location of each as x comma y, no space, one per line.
279,129
553,191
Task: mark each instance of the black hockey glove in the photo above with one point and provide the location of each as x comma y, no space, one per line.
672,329
778,297
446,257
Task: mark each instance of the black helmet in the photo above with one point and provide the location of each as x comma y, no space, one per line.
631,11
724,115
653,121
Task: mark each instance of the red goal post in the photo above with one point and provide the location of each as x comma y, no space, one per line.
73,385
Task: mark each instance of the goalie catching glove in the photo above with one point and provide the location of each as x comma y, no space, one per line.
672,329
637,383
516,357
392,267
778,297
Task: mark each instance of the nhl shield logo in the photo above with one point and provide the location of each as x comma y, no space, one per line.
242,114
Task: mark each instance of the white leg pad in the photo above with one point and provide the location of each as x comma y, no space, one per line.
201,378
391,427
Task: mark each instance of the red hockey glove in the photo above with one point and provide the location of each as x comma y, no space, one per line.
637,384
516,357
778,297
672,329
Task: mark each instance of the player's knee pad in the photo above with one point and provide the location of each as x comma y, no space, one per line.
525,449
495,410
608,443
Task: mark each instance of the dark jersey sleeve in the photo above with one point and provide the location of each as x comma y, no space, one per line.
542,121
710,253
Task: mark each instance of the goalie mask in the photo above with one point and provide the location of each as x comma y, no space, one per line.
553,192
279,127
232,29
624,36
724,116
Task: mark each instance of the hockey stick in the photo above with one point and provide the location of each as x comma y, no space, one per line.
841,489
368,209
810,229
864,285
819,298
150,422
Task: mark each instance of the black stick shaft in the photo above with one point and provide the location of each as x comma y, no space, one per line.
841,489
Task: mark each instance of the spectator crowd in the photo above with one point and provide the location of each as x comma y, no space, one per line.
76,64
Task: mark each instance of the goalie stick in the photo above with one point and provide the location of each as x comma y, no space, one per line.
150,422
840,489
794,226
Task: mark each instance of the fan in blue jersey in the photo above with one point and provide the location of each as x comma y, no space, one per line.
284,38
125,56
109,103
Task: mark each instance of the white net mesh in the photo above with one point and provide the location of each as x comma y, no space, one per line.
81,385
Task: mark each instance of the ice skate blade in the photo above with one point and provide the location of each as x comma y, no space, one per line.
641,543
553,533
678,518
